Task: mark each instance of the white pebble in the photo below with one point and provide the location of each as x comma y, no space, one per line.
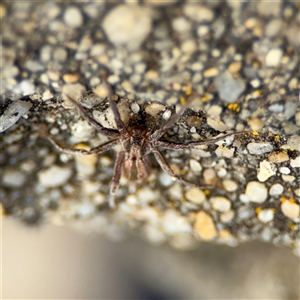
165,179
26,87
295,163
266,170
181,25
227,216
73,17
146,195
288,178
266,215
284,170
13,178
220,204
256,192
290,210
230,185
54,176
128,25
195,166
222,151
273,57
198,13
195,195
276,189
167,114
135,107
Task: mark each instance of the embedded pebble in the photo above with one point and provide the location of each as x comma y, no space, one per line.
127,25
256,192
229,88
284,170
165,179
266,170
54,176
211,72
85,164
278,157
273,57
230,185
288,178
26,87
73,17
175,192
220,204
273,27
205,226
266,215
195,166
227,216
259,148
209,176
198,13
153,109
224,152
147,195
294,142
174,223
13,178
245,212
295,163
73,90
196,195
13,113
276,189
181,25
290,210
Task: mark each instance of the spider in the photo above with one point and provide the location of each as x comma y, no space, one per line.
138,139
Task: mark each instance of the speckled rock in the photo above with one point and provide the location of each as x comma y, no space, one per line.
13,113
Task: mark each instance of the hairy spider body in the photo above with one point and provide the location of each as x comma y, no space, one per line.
139,137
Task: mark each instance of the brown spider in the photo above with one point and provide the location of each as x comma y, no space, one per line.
138,140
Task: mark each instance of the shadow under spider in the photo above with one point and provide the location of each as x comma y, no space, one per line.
137,142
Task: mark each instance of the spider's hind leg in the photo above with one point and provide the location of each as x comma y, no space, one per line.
101,148
166,168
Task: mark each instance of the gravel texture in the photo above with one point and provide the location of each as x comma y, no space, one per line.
241,59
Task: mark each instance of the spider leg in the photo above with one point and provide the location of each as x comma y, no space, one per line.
120,125
97,125
192,144
116,178
173,119
101,148
166,168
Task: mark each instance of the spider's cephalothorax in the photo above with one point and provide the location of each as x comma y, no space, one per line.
139,133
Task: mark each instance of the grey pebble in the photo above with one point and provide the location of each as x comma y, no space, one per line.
13,113
228,87
259,148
